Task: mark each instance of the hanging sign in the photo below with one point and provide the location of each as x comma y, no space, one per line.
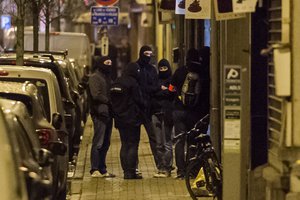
106,2
144,1
104,46
180,7
5,22
104,15
198,9
146,19
224,10
243,6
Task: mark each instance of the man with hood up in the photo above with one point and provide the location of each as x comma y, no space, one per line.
162,120
98,89
148,82
126,104
185,117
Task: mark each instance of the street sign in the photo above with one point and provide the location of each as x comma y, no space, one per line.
5,22
104,15
104,46
106,2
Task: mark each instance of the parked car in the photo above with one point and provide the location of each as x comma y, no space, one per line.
28,94
34,160
60,41
81,50
48,62
12,180
82,80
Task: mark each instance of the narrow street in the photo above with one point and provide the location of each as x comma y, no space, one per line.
84,187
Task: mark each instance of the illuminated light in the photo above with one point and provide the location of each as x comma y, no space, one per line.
3,72
44,136
54,33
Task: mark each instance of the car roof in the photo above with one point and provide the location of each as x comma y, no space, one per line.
17,108
28,70
9,59
61,33
20,91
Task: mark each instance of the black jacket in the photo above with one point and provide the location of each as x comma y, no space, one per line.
177,81
162,99
148,82
126,98
98,90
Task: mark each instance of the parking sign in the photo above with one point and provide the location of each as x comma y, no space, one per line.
5,22
104,15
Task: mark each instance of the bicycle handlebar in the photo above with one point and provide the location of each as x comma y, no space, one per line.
198,123
201,121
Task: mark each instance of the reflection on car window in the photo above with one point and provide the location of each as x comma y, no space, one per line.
42,88
26,149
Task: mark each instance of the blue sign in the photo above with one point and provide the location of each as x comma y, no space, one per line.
104,15
5,22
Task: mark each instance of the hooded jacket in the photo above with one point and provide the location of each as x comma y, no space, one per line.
98,89
162,99
193,64
148,79
126,98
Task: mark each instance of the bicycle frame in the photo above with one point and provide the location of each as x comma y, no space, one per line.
201,151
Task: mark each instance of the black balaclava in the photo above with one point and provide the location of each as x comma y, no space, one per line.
193,60
132,69
103,67
143,59
164,74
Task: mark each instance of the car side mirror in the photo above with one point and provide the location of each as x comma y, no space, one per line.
44,157
58,148
57,120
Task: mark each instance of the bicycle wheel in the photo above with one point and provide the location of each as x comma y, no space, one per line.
195,180
213,177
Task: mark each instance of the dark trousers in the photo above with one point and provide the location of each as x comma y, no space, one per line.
100,145
152,138
184,120
163,132
179,117
130,137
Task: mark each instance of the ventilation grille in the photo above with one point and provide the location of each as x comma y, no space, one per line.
275,103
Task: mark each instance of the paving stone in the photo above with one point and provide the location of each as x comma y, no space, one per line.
84,187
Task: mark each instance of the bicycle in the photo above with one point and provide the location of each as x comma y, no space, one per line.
203,176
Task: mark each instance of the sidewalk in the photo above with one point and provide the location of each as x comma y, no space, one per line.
83,187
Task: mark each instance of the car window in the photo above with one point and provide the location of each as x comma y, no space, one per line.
19,97
26,147
42,88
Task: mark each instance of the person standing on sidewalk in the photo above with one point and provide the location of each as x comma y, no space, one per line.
127,105
185,116
148,82
162,120
98,89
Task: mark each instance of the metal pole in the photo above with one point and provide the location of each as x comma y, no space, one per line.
215,88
